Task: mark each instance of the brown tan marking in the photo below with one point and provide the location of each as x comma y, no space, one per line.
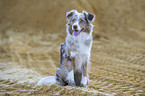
85,71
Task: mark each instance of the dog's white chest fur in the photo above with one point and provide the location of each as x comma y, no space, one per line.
79,46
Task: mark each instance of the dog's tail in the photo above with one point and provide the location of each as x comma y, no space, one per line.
52,79
47,80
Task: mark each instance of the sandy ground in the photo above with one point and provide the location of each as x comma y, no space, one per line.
30,44
117,67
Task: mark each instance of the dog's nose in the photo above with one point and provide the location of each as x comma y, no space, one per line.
75,26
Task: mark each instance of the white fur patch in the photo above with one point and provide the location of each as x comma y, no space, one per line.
84,81
70,77
73,53
47,80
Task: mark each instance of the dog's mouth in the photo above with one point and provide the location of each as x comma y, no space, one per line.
77,32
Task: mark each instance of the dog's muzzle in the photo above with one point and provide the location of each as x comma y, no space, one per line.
76,32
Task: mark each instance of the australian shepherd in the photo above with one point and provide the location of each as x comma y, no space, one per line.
75,51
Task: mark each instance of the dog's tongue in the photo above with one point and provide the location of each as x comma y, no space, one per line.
76,33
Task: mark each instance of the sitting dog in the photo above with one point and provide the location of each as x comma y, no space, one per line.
75,52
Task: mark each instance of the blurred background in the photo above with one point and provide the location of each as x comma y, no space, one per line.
31,32
123,17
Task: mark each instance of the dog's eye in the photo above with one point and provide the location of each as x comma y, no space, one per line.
73,19
82,21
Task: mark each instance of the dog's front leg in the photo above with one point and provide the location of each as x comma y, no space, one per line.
70,75
85,77
77,73
78,77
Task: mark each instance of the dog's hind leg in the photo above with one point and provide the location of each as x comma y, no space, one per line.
64,73
61,72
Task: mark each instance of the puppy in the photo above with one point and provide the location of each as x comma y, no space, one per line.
75,52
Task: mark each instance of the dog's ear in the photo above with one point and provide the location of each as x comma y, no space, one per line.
89,16
70,14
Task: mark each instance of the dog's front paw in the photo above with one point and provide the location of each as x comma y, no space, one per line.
84,82
83,85
70,79
71,83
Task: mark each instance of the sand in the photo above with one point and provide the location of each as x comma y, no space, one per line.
31,34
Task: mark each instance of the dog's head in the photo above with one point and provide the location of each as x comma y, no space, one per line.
79,22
